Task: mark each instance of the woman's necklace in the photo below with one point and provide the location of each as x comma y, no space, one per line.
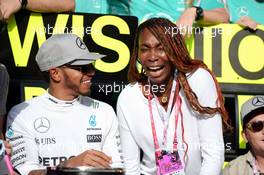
164,99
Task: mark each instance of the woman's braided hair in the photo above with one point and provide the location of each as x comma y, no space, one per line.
175,48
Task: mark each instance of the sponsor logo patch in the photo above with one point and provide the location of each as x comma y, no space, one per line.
42,125
94,138
92,120
10,132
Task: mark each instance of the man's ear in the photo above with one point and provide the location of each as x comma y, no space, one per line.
55,74
244,135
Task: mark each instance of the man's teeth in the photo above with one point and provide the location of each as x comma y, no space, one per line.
87,81
154,68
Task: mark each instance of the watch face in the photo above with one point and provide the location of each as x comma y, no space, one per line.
199,13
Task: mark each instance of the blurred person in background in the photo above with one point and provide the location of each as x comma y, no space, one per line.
185,13
252,118
10,7
4,84
247,13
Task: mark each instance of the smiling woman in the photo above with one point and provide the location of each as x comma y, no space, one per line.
154,59
180,127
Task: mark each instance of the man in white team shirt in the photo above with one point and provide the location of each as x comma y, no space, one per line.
63,127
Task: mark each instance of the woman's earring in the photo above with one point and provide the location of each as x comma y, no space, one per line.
143,70
139,66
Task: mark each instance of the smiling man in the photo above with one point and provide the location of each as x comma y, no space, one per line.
64,127
252,117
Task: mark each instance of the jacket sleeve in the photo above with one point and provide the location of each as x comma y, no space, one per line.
209,126
112,145
131,151
24,156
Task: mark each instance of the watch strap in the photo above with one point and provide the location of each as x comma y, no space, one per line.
199,13
23,3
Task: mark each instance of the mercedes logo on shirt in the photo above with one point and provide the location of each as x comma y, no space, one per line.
242,11
80,43
258,101
42,125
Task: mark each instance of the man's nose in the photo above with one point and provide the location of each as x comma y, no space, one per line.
91,72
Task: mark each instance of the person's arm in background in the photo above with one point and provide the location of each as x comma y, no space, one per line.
215,16
205,13
4,82
9,7
246,21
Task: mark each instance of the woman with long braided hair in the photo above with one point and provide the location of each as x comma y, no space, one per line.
173,108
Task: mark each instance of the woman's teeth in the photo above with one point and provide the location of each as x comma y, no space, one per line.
155,68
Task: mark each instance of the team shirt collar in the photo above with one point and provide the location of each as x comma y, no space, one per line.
61,102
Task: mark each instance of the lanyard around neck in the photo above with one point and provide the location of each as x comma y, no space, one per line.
177,109
165,119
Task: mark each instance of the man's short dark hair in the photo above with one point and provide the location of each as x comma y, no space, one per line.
46,76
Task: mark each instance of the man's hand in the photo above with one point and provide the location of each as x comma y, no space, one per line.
8,148
246,21
8,8
89,158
